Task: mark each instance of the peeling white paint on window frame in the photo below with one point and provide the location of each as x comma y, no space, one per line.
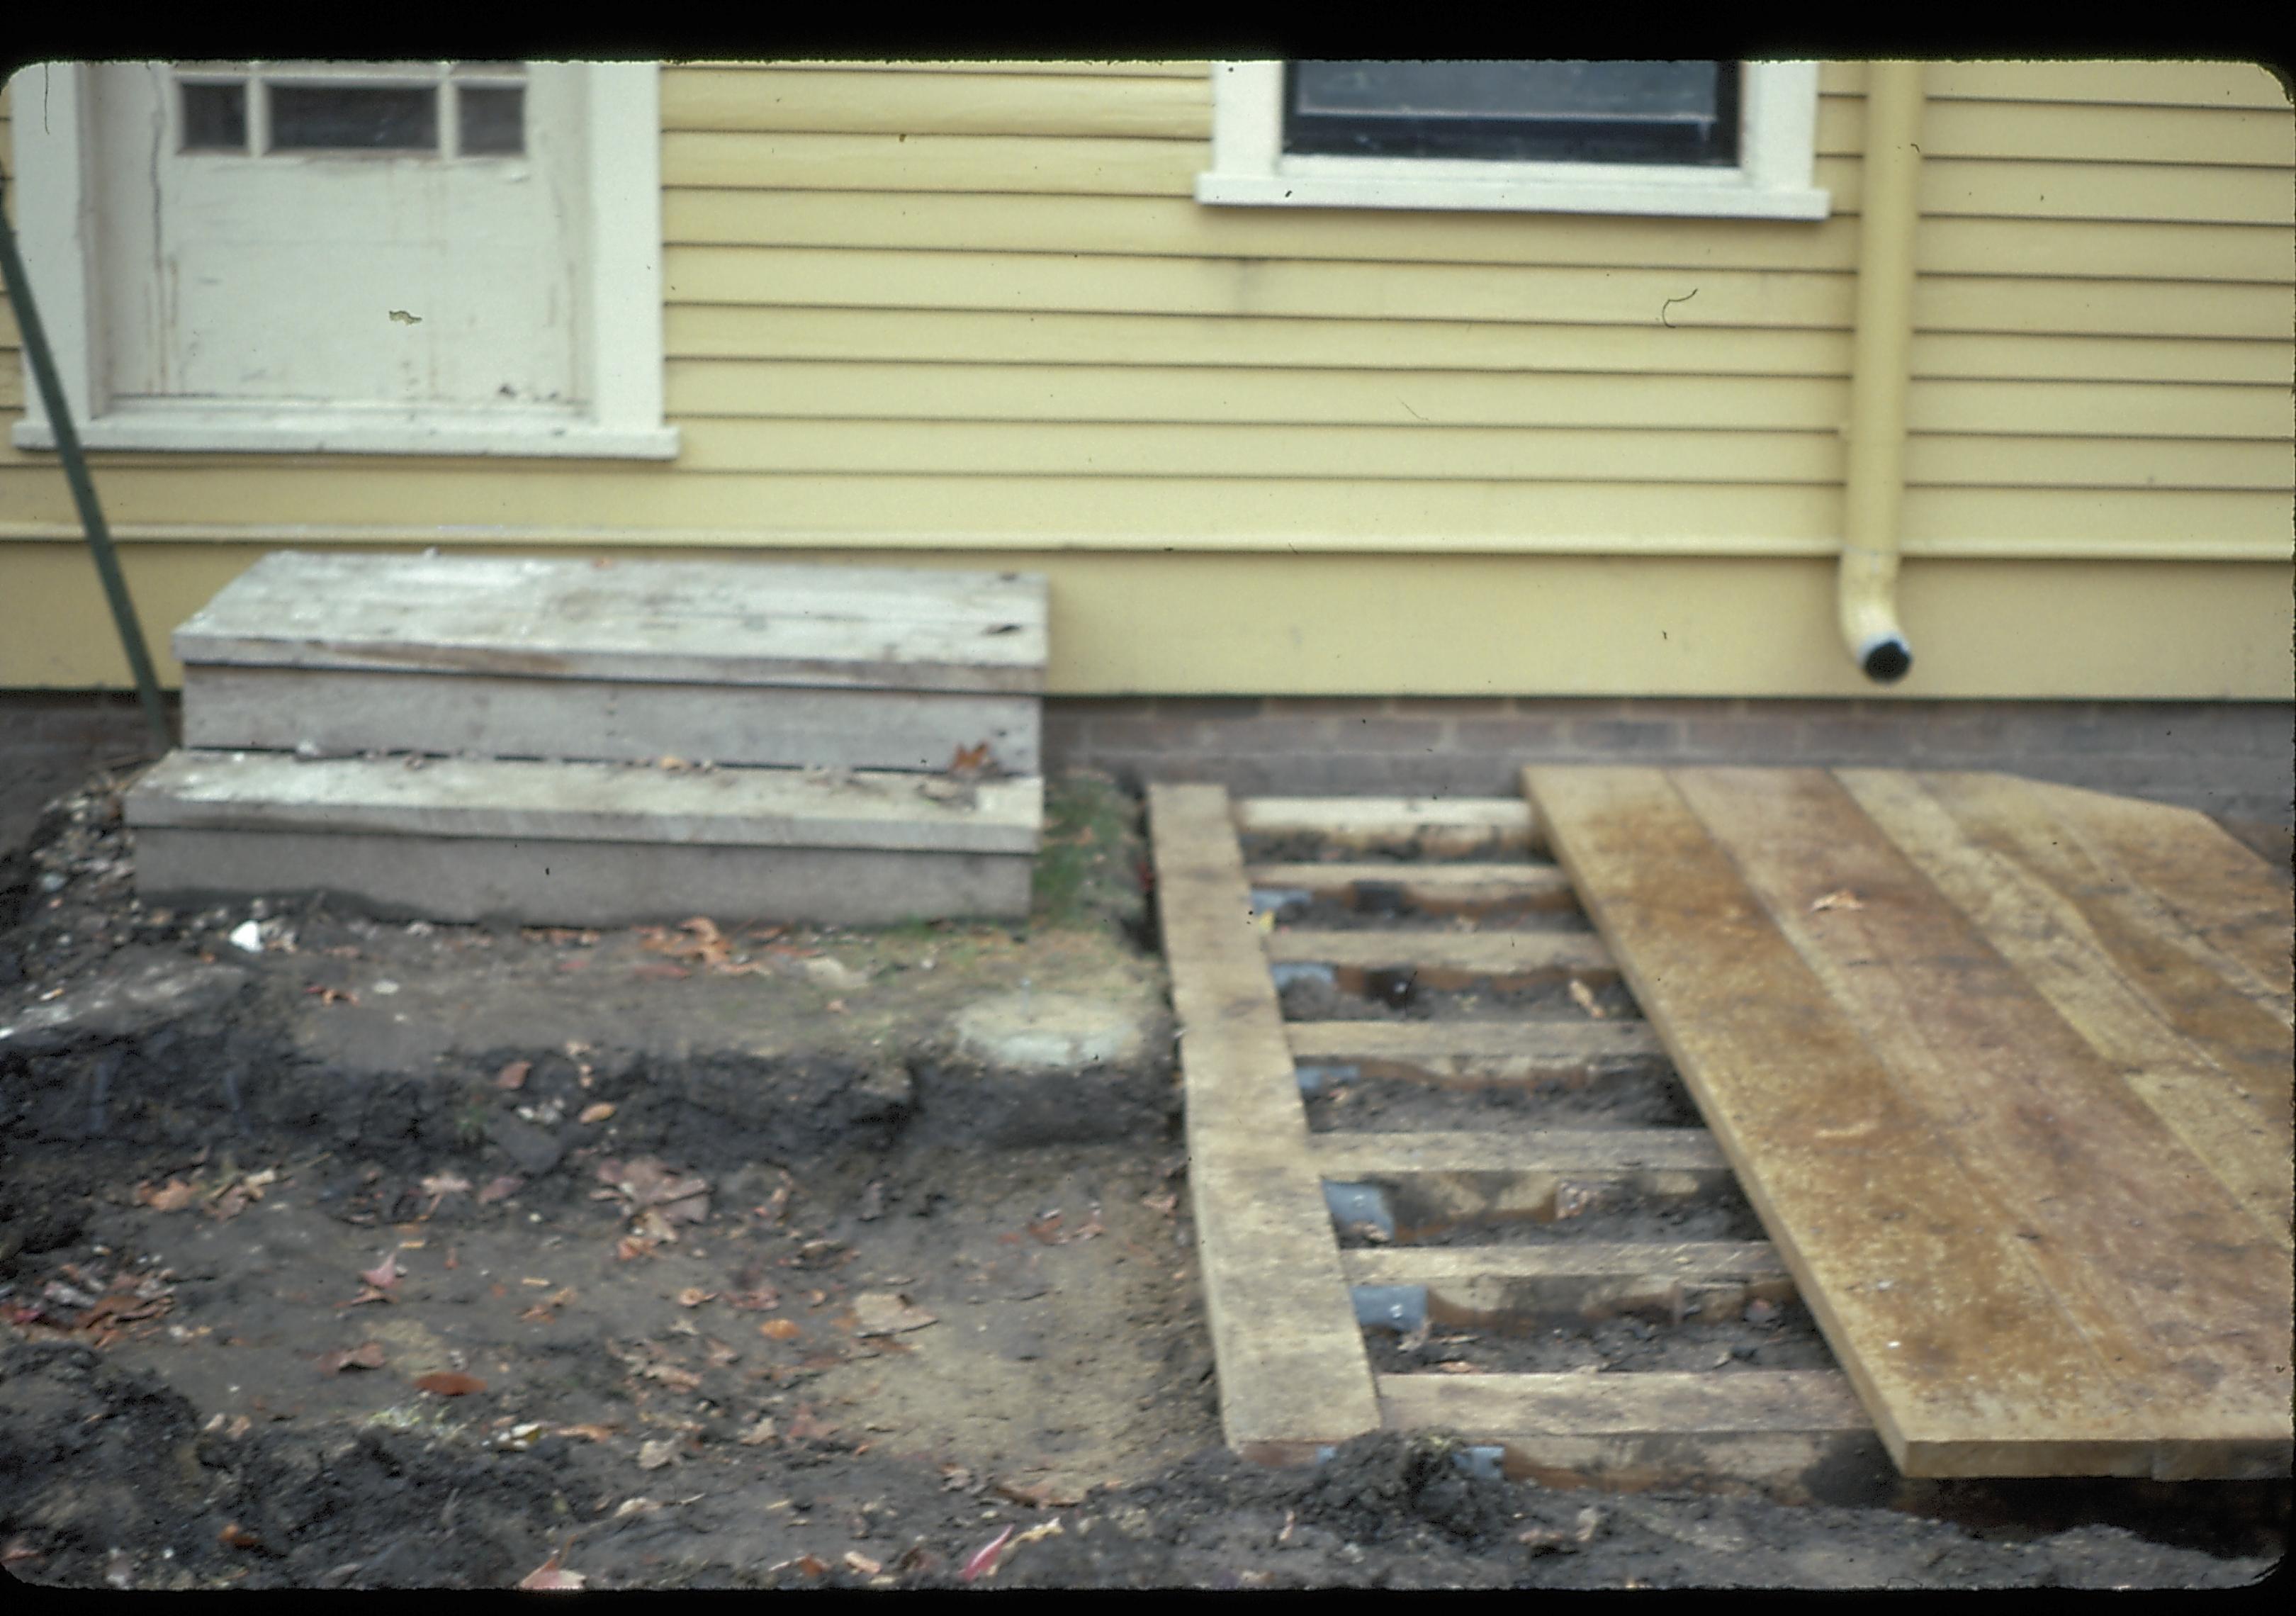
622,419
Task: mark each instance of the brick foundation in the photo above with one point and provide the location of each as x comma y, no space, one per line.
2234,760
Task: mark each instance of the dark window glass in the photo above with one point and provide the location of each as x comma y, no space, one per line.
493,119
354,118
1520,111
215,117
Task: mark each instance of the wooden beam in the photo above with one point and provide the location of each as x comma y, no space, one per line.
1294,1373
1448,960
1445,826
1442,889
1590,1279
1473,1053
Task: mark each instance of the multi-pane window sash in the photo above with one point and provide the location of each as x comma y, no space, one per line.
397,109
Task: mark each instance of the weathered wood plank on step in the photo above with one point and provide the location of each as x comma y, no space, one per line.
1445,960
2228,1103
706,622
2165,1273
549,882
354,710
1771,1428
1546,1150
1443,889
499,799
1441,825
1918,1273
1465,1052
1293,1372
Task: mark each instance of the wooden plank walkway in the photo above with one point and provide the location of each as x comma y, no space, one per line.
1288,1306
2005,1070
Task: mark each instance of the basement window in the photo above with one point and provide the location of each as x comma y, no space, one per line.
1725,139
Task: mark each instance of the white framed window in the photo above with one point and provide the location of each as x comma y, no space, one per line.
1544,138
380,258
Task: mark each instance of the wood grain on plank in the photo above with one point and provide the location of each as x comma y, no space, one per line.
2234,905
1439,825
1960,1352
1473,1284
1546,1150
1291,1362
2232,1112
1478,1052
2169,1278
1753,1399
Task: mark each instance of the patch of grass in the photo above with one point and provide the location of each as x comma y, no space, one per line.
1087,869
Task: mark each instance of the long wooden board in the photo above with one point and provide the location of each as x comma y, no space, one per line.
1293,1371
694,622
2023,1267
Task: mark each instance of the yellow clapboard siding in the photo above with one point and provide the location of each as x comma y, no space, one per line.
2159,84
2203,136
933,162
986,102
1040,282
2073,522
2096,463
2090,409
2169,193
1263,622
1357,453
1014,66
2025,355
2154,309
731,330
1178,227
819,390
458,498
824,389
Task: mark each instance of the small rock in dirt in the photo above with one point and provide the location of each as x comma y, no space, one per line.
889,1313
532,1150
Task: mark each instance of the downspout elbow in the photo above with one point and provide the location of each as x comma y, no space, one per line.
1875,483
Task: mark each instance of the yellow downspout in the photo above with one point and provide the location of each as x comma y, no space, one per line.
1880,363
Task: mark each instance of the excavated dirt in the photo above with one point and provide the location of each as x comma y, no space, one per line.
351,1254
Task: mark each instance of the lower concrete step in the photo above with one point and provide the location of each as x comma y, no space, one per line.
583,843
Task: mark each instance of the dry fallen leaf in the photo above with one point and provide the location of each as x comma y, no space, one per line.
385,1274
672,1376
448,1383
779,1329
598,1112
591,1433
806,1425
366,1355
513,1074
655,1455
762,1431
551,1577
693,1296
439,1185
1584,997
861,1564
1041,1495
173,1196
717,1352
500,1189
238,1536
1842,899
630,1246
812,1565
887,1313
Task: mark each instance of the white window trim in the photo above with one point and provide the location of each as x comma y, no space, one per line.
623,420
1772,180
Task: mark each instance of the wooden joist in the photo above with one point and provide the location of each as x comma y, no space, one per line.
1443,889
1444,826
1476,1053
1448,960
2024,1267
1481,1285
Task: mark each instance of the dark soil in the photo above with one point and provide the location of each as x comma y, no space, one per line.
380,1260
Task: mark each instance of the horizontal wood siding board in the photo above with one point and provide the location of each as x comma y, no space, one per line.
1108,283
2128,84
2204,138
731,330
986,101
1180,227
2166,193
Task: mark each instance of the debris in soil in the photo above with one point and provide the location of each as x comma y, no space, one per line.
887,1313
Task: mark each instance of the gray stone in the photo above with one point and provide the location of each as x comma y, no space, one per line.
530,1149
1044,1032
143,989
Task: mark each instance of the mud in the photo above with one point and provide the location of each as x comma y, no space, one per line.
388,1255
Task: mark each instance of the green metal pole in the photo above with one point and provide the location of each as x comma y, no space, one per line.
90,514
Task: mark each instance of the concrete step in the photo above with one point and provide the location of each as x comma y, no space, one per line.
592,844
758,664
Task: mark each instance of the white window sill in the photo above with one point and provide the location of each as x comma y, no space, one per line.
1516,196
339,431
